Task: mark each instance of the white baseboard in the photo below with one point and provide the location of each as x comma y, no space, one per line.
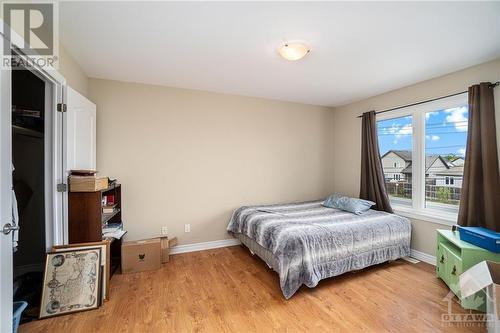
204,246
423,257
233,241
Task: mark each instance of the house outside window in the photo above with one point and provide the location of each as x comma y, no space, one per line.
423,147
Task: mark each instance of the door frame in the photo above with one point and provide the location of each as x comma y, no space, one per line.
6,269
56,232
57,210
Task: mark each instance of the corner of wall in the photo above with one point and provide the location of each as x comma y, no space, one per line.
72,71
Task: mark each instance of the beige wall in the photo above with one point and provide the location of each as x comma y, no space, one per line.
187,156
72,72
347,132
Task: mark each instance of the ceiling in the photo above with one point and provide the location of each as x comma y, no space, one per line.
357,49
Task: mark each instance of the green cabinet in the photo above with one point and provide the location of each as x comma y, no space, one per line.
453,257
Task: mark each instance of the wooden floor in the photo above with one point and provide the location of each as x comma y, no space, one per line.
228,290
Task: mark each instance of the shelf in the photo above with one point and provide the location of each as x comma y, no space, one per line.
26,131
110,188
109,216
109,206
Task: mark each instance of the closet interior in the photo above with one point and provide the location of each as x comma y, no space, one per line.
28,158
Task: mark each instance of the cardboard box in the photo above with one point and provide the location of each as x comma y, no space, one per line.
87,184
486,274
166,244
165,250
139,256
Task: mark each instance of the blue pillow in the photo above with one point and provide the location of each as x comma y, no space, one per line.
353,205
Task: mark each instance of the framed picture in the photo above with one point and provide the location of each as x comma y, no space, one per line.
71,282
105,260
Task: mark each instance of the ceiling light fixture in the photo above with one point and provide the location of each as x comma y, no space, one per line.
293,51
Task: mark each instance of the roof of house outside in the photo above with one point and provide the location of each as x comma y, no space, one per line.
453,171
406,155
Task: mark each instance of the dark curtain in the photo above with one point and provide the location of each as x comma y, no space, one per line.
480,198
372,176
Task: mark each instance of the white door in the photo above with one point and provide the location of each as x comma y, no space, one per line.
5,198
79,140
80,129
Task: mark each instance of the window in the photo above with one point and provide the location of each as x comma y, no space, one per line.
395,142
424,147
445,140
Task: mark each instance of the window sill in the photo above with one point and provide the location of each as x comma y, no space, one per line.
427,215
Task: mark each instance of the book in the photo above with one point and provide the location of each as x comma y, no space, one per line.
115,225
108,209
108,229
110,199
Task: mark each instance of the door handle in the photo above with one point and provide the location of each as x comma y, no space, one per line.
7,228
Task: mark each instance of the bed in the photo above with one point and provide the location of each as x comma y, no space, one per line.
307,242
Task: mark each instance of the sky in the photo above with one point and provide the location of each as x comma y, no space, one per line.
445,132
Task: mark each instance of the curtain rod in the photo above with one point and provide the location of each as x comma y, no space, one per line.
493,85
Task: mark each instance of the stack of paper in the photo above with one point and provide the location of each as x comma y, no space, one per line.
117,234
110,229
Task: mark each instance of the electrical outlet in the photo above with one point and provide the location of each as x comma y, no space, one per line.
187,227
164,231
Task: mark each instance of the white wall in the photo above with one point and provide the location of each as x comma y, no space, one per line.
347,132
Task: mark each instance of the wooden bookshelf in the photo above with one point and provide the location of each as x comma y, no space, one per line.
86,219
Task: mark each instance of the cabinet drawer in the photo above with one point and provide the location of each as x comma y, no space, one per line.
449,265
441,263
453,269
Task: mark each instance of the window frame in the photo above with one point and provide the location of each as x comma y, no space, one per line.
417,112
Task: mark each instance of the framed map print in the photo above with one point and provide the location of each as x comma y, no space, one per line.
105,260
71,282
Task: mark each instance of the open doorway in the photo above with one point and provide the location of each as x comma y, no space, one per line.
29,137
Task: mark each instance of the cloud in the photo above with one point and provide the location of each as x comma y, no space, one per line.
393,129
432,137
458,116
461,151
429,114
399,130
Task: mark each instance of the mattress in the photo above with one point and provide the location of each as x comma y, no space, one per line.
306,242
258,250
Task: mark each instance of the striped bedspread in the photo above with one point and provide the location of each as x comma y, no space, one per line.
311,242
